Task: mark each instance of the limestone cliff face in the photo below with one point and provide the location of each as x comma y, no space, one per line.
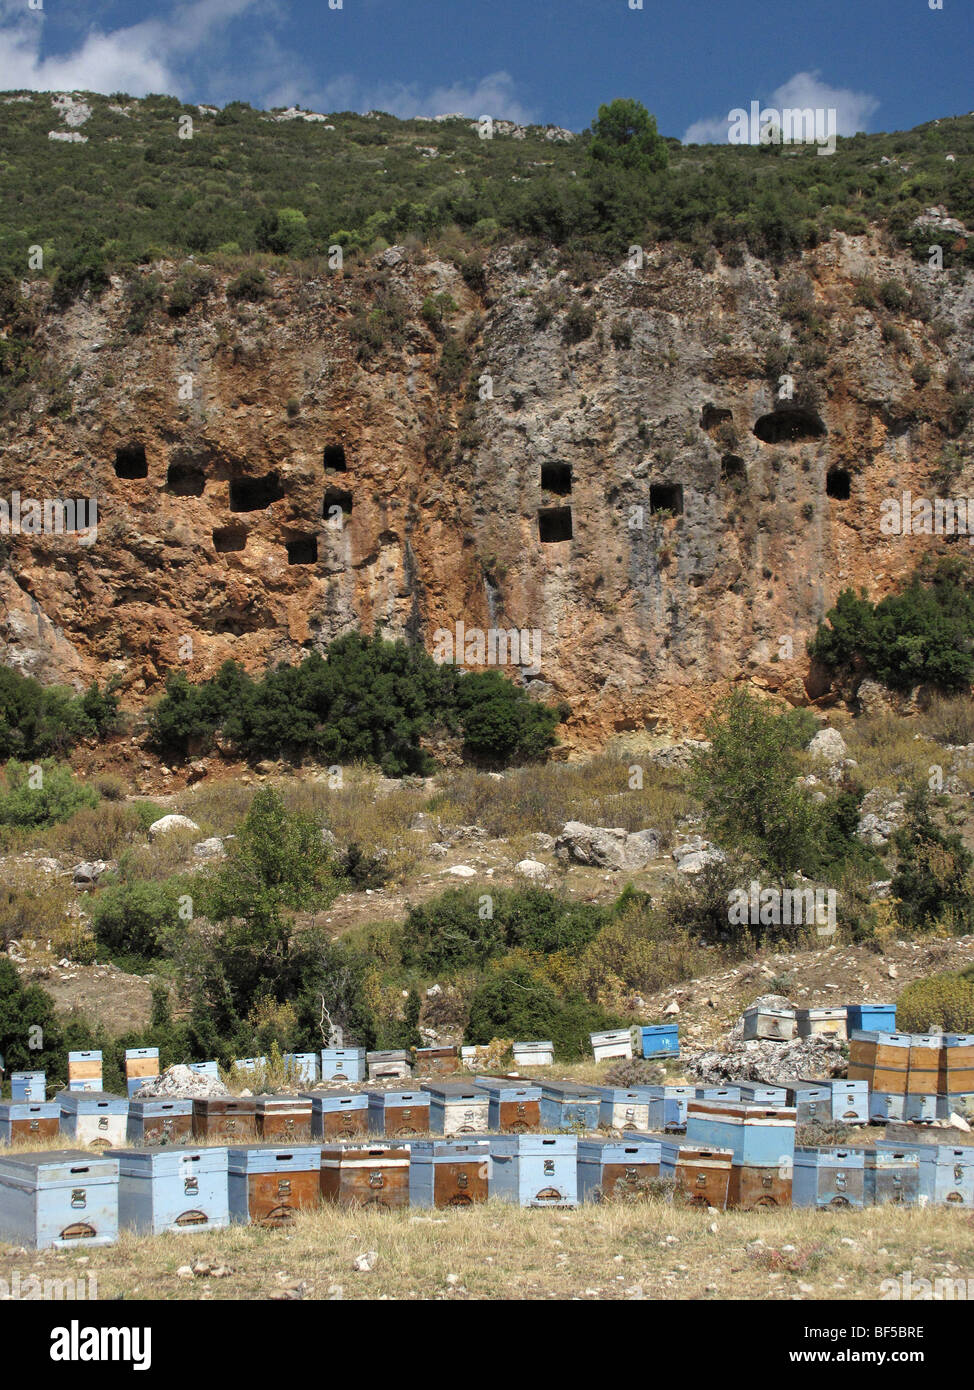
260,490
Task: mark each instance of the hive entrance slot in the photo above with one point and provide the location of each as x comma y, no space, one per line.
666,497
555,524
130,461
838,484
334,457
254,494
789,425
557,478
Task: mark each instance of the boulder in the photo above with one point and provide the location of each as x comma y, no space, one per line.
166,824
696,854
531,869
205,849
89,871
606,848
828,744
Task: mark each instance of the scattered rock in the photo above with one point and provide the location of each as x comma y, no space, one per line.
461,871
695,854
828,744
165,824
531,869
365,1262
606,848
206,849
180,1082
90,871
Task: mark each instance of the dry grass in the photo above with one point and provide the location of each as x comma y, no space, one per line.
648,1250
949,719
889,753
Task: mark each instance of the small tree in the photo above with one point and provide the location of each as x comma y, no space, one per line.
934,880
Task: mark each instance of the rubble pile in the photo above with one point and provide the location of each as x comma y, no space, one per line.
180,1083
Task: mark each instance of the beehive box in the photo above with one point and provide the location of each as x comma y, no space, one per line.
668,1106
388,1066
624,1110
865,1018
436,1061
533,1054
659,1039
701,1174
950,1104
376,1176
61,1198
535,1170
397,1113
457,1107
94,1118
759,1094
882,1059
514,1107
249,1063
339,1115
29,1119
565,1105
616,1169
159,1121
946,1173
831,1177
812,1100
448,1173
266,1186
302,1066
178,1188
753,1185
285,1119
210,1069
891,1175
28,1085
924,1069
920,1110
343,1064
141,1064
850,1101
757,1135
225,1117
84,1071
956,1065
885,1106
777,1025
729,1093
821,1022
615,1043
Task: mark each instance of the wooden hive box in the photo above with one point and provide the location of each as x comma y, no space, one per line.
850,1101
812,1100
398,1113
343,1064
457,1107
84,1071
659,1039
283,1118
757,1093
61,1198
376,1176
885,1106
892,1175
303,1066
822,1022
831,1177
864,1018
178,1188
533,1054
29,1119
28,1085
534,1170
668,1106
701,1174
617,1042
95,1118
565,1105
159,1121
882,1059
754,1185
141,1064
623,1109
448,1173
514,1106
436,1061
956,1064
266,1186
777,1025
339,1115
225,1117
616,1168
388,1066
924,1069
757,1135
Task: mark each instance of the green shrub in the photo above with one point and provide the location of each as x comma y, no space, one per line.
41,794
517,1003
36,720
139,918
191,286
941,1001
250,284
452,932
934,878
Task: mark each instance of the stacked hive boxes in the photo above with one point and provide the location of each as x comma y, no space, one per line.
761,1139
159,1121
912,1076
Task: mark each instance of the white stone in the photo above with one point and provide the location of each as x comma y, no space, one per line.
828,744
167,823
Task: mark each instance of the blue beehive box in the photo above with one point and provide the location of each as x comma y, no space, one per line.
304,1066
178,1188
449,1172
534,1170
660,1040
920,1109
84,1071
947,1105
338,1114
757,1135
457,1107
850,1101
567,1106
668,1106
141,1065
946,1172
343,1064
399,1113
624,1109
26,1119
249,1063
885,1106
717,1093
616,1168
27,1085
210,1069
63,1198
892,1174
266,1186
757,1093
812,1099
828,1178
871,1018
94,1117
158,1121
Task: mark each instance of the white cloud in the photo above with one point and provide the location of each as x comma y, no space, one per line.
853,109
141,58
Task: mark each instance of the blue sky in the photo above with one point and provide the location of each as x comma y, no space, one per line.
884,64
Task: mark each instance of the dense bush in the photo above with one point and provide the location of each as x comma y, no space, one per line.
139,918
923,635
517,1003
367,700
934,878
41,794
37,720
942,1001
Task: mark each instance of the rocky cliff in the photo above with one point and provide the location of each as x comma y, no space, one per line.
670,471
